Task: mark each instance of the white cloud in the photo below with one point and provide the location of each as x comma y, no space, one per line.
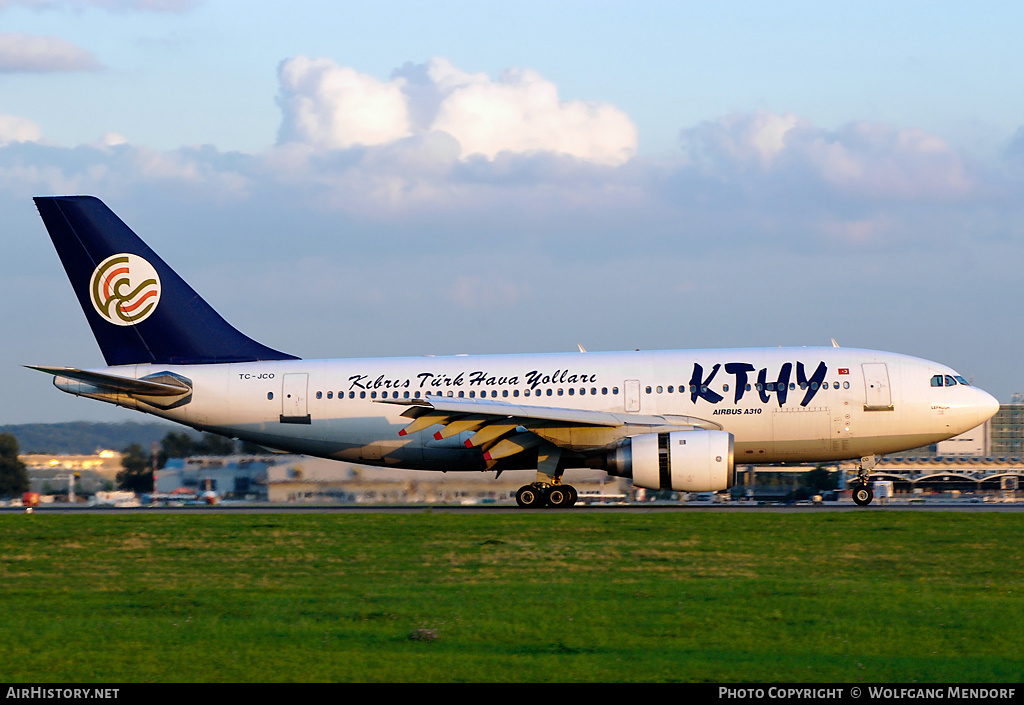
112,139
881,161
521,113
18,129
744,139
335,107
36,54
859,160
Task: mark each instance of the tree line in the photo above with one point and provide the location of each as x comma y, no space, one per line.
137,464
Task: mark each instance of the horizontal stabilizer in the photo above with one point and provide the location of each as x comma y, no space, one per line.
166,387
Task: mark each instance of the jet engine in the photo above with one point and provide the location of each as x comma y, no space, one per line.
686,461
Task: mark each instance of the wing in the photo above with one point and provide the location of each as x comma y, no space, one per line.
502,429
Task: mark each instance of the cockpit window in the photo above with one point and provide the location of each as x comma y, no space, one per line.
949,381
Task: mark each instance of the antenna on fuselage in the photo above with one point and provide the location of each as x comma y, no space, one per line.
834,343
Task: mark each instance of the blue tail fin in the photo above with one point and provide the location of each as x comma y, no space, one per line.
140,310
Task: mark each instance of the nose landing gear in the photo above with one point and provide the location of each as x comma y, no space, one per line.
862,493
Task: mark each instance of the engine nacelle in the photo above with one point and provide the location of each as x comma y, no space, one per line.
686,461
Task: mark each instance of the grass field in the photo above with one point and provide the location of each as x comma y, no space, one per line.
874,596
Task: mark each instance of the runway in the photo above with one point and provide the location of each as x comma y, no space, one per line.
634,508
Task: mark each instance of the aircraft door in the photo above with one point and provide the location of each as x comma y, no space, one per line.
294,408
632,389
877,395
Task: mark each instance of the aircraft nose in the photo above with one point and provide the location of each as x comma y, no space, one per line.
982,407
988,405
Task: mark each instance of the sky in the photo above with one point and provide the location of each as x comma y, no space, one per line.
351,179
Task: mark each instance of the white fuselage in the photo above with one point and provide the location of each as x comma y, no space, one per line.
780,404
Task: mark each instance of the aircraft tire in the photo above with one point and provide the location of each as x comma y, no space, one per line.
528,497
559,496
862,495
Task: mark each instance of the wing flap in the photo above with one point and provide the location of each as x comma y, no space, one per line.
501,429
499,409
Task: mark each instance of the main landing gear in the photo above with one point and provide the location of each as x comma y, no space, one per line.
543,494
862,493
548,490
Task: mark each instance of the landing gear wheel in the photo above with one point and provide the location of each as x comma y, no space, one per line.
573,495
862,495
559,496
529,497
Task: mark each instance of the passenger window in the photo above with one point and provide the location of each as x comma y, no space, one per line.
270,395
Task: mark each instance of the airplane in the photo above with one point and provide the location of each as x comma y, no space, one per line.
669,420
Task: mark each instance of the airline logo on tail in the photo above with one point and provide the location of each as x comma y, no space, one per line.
125,289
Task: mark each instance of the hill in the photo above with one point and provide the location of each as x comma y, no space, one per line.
84,437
